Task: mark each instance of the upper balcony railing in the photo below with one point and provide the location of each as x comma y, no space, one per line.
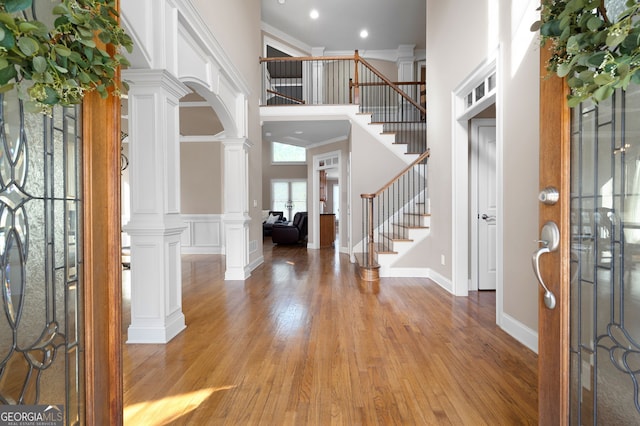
399,106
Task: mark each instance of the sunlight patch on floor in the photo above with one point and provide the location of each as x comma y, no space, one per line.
169,409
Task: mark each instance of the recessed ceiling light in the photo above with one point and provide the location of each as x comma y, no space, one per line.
364,34
314,14
298,132
281,1
267,134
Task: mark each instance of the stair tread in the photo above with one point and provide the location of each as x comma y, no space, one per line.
396,122
395,237
418,214
411,226
383,249
360,261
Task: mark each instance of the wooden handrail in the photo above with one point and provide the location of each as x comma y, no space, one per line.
397,83
282,95
393,86
422,157
308,58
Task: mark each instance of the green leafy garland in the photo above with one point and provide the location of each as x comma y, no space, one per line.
597,53
60,65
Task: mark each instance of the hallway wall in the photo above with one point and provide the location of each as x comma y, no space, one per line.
452,55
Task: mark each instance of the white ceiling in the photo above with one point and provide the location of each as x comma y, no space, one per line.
306,133
390,23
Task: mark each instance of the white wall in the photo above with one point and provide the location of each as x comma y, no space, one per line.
461,34
372,166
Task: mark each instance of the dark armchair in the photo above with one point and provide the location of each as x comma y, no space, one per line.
291,233
267,225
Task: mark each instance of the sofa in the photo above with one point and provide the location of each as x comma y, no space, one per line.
291,233
273,218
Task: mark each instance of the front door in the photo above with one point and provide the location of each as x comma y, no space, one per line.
589,347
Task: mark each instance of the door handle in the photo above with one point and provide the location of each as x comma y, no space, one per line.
550,240
487,217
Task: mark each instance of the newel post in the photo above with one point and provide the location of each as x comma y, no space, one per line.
368,223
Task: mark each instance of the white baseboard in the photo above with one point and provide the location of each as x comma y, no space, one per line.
441,280
253,265
519,331
405,272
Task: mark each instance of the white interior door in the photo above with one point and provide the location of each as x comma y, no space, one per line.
484,142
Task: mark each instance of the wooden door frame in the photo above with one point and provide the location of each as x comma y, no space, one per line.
102,272
553,325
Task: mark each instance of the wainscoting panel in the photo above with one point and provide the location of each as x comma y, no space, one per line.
204,234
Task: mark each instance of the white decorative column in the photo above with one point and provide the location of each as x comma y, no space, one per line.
406,62
316,82
406,70
236,208
155,225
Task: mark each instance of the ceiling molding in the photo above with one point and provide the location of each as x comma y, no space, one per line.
293,42
202,138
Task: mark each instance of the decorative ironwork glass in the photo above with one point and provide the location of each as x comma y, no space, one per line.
605,266
41,336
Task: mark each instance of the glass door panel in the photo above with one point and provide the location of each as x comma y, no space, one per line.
41,339
605,261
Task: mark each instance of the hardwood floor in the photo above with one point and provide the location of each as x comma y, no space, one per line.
303,342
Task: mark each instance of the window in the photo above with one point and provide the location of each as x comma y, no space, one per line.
287,154
289,196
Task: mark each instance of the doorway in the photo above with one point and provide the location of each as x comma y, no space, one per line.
476,93
327,174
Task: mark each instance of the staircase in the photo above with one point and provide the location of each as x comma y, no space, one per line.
395,217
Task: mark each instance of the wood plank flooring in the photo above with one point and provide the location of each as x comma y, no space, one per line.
304,342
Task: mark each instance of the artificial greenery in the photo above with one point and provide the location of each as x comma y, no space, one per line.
596,52
60,64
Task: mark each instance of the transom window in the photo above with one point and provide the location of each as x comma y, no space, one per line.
282,153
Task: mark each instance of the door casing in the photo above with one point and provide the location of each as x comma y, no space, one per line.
102,274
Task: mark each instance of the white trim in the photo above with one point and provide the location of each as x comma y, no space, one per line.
257,262
520,332
315,191
299,48
202,138
460,176
399,272
500,192
195,104
203,235
442,281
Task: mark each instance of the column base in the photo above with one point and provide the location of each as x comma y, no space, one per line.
157,334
